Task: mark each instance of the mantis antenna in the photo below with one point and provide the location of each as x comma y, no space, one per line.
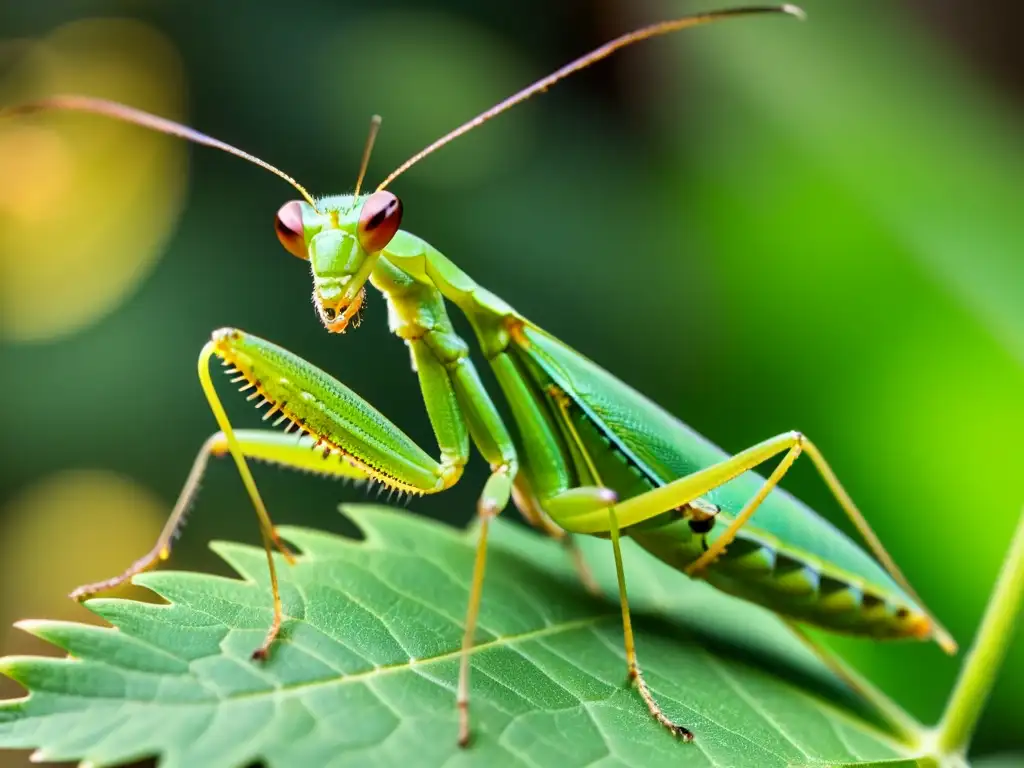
138,117
372,137
644,33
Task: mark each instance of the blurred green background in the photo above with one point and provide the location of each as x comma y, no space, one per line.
763,225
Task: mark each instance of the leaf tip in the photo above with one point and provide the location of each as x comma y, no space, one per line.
32,626
795,11
43,755
17,668
226,550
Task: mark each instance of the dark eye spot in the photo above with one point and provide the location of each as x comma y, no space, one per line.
702,526
379,220
329,313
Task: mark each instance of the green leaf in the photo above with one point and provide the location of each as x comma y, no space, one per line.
365,673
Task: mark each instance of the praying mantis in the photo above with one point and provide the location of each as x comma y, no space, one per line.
585,454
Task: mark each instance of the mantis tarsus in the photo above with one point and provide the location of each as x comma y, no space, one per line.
589,454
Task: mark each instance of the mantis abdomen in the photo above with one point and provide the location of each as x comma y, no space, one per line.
805,568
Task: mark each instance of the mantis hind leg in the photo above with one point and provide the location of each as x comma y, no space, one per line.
790,445
635,675
597,498
561,481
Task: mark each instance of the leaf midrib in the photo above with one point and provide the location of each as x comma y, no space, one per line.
377,671
499,642
388,669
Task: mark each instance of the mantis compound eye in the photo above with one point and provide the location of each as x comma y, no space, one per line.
290,231
379,220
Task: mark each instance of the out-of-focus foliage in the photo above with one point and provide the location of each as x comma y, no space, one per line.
364,672
764,226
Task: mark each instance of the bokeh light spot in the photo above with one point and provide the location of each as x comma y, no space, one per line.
39,159
85,202
70,528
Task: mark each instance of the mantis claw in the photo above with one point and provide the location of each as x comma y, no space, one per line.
635,677
465,735
84,592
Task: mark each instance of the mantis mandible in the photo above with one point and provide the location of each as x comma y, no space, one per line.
589,455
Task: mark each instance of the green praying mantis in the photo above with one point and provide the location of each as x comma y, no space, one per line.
588,454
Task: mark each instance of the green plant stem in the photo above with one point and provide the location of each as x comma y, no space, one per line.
986,655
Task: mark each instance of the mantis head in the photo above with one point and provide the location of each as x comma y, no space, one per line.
341,241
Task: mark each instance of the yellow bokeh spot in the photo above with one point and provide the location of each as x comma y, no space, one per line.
86,202
71,528
37,157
